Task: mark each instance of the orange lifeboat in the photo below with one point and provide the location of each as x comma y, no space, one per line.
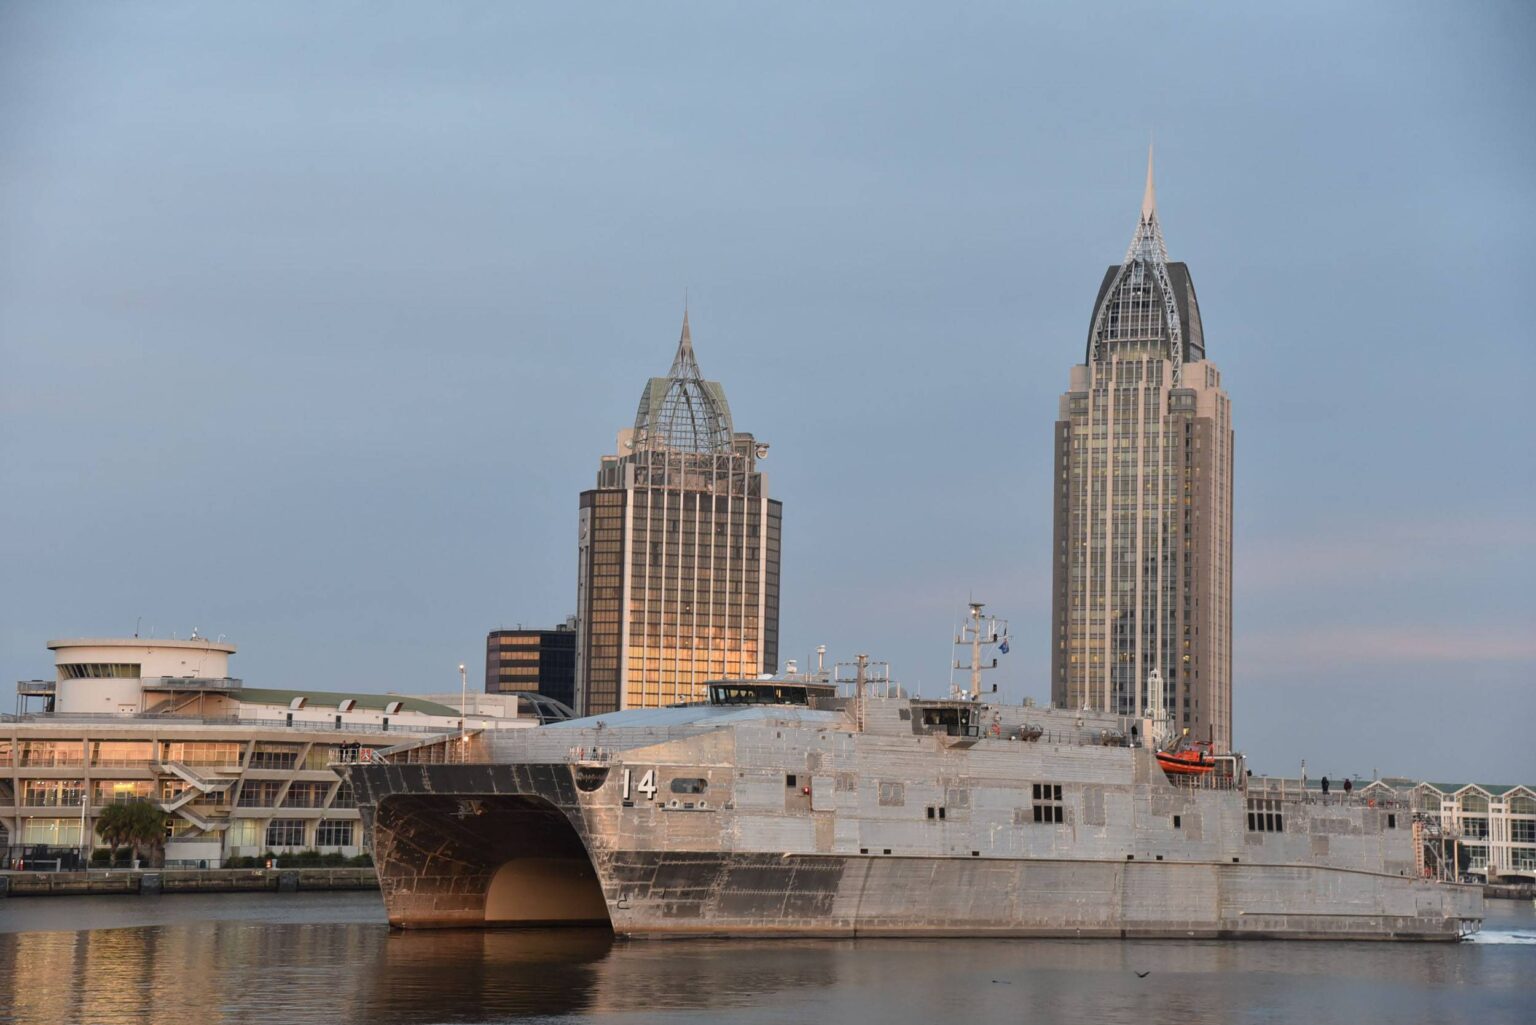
1190,762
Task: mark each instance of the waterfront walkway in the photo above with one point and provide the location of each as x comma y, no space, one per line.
186,880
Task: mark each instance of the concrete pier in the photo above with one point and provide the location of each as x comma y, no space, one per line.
148,882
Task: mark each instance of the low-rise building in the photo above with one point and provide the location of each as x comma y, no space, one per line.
1484,829
241,770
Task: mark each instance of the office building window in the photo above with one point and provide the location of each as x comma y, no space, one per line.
285,833
245,833
334,833
259,793
47,754
273,756
51,793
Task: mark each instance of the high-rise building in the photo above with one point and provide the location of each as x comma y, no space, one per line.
1142,547
533,662
678,554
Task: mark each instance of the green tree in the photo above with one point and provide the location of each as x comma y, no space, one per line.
137,824
115,825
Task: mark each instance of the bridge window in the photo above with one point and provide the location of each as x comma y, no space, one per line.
99,670
951,721
689,785
758,694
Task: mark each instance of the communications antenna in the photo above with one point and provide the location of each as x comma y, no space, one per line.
975,632
865,674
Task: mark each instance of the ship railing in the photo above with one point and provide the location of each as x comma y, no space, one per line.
1029,733
171,719
1294,791
1207,781
459,748
589,755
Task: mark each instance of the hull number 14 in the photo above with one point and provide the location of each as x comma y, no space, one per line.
646,785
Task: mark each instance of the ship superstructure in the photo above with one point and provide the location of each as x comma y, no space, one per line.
781,808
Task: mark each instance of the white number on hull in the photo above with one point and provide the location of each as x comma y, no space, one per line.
646,786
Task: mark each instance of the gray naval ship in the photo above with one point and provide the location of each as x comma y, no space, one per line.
781,808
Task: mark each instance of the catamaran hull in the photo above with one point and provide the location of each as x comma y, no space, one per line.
522,845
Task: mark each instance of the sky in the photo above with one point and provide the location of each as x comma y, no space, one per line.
316,319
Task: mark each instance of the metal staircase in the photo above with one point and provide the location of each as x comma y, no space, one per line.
197,786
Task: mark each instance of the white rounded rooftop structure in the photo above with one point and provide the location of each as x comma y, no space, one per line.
140,657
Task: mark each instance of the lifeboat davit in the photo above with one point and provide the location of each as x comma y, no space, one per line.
1189,762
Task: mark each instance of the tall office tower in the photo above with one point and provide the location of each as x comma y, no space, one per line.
1142,566
678,555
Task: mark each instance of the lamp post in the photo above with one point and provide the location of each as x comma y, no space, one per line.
463,715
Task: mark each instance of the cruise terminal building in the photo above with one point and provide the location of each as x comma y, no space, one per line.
241,770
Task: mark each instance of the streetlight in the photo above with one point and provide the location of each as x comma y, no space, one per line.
463,714
85,835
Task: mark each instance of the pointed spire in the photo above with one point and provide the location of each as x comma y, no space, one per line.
684,364
1149,198
1147,240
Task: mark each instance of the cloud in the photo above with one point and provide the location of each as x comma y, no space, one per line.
1343,647
1393,551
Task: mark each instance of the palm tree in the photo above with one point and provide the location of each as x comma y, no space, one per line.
115,825
138,824
146,829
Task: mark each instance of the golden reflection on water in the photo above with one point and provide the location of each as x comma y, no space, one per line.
293,965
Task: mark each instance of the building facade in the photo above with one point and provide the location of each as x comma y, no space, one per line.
678,552
1142,545
239,770
539,662
1478,829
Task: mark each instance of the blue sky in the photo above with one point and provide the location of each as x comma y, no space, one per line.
315,320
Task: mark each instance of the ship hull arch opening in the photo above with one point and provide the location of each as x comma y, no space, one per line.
484,861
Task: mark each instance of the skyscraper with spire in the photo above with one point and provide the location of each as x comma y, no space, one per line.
678,552
1142,546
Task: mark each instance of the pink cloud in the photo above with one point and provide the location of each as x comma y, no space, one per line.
1398,551
1354,646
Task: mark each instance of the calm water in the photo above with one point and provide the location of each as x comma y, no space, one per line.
265,958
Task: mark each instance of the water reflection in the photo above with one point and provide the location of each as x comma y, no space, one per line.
475,976
333,960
